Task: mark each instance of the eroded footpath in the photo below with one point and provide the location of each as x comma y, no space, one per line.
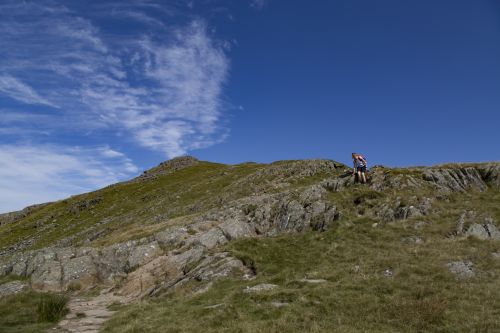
88,314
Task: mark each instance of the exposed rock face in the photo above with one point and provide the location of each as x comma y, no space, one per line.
478,231
260,287
483,231
462,221
340,183
47,276
295,169
171,238
16,216
462,269
164,268
79,272
179,254
285,172
173,270
55,269
208,239
273,214
455,179
490,173
218,266
400,211
313,281
167,167
412,240
233,229
13,287
468,225
442,179
143,254
174,256
404,213
84,205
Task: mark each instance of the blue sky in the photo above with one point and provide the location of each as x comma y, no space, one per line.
94,92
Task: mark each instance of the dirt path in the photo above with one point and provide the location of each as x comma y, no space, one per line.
87,315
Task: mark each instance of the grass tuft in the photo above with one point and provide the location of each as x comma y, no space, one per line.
51,308
30,312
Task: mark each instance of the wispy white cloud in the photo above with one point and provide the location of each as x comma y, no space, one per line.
159,87
258,4
165,91
138,16
20,91
36,173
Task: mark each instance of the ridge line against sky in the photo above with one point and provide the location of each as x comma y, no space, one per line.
94,92
67,80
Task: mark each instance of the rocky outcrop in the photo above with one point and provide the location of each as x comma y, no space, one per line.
57,269
483,231
274,205
54,269
458,178
260,288
233,229
490,173
402,211
289,170
273,214
48,276
167,167
471,224
462,269
11,288
142,254
283,173
178,267
178,254
195,259
455,179
207,239
340,183
16,216
164,269
171,238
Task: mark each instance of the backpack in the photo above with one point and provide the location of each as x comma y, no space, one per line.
364,158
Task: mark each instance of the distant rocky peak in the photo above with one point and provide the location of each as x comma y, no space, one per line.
166,167
179,162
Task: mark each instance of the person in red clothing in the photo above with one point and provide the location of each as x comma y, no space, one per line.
359,167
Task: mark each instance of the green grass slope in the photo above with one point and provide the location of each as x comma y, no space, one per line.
134,209
101,216
376,274
31,312
421,294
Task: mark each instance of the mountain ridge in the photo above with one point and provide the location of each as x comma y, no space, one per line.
172,227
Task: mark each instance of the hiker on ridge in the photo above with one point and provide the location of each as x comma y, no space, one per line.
360,165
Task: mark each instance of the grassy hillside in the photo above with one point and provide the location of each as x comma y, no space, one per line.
378,278
383,266
137,208
30,311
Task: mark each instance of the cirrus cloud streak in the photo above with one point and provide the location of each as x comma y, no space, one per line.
164,88
39,173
